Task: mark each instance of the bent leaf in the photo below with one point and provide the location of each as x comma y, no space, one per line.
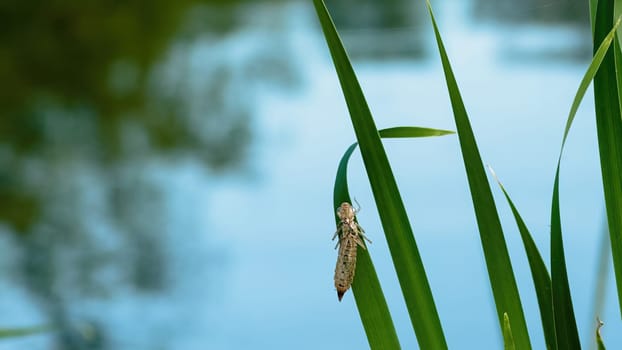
368,294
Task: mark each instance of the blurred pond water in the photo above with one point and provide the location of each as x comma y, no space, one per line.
182,198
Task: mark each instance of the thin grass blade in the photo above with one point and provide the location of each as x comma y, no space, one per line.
609,130
599,340
602,275
404,252
22,332
411,132
589,75
539,272
508,338
593,5
618,60
505,291
565,322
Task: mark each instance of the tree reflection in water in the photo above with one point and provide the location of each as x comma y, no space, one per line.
533,11
101,103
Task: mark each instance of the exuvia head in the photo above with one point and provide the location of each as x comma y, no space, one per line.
345,211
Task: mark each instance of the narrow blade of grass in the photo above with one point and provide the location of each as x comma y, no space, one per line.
505,291
617,12
412,131
589,75
539,273
399,235
593,5
609,130
368,295
618,59
599,340
508,338
565,322
22,332
602,275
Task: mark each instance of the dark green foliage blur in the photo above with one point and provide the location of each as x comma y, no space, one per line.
102,104
67,51
74,74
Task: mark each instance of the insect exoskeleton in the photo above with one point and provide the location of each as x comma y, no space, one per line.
350,235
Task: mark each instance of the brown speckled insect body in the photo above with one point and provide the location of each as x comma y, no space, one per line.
350,235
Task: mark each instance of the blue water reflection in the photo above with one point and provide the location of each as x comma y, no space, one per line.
240,257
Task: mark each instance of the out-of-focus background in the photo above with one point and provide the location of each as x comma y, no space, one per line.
167,167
